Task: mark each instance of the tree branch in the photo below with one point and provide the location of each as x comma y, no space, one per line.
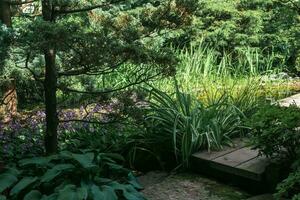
88,121
16,3
88,71
83,9
108,90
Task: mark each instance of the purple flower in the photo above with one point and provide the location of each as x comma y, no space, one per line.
41,114
81,111
15,126
97,108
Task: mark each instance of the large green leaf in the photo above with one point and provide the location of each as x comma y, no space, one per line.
2,197
13,171
113,156
50,197
71,192
33,195
129,192
22,184
103,193
42,161
97,193
6,181
82,193
68,193
133,181
55,171
85,160
109,193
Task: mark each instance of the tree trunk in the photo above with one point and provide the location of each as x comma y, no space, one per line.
10,100
5,13
50,102
50,86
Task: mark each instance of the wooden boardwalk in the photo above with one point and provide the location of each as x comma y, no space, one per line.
239,160
240,163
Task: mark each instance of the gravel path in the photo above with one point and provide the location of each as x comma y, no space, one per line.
187,186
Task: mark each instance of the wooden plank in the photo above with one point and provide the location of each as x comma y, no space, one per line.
257,165
239,161
235,171
206,155
237,157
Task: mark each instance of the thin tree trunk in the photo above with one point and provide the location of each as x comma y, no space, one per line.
5,13
50,87
9,92
50,102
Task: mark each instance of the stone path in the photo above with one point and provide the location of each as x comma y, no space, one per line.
189,186
292,100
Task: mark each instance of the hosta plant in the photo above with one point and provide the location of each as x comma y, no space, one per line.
67,175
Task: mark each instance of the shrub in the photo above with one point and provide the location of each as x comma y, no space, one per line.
275,131
86,175
290,186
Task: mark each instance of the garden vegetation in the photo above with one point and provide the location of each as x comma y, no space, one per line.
93,92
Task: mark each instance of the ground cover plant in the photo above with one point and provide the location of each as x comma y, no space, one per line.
86,175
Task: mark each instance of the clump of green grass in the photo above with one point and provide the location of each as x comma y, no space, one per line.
185,125
207,75
217,92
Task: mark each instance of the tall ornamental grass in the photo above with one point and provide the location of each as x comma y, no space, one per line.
242,75
186,125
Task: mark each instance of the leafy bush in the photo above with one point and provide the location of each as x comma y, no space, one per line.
182,125
290,186
275,131
86,175
269,25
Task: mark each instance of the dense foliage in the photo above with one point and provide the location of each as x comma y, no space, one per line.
290,186
269,25
87,175
76,68
275,132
